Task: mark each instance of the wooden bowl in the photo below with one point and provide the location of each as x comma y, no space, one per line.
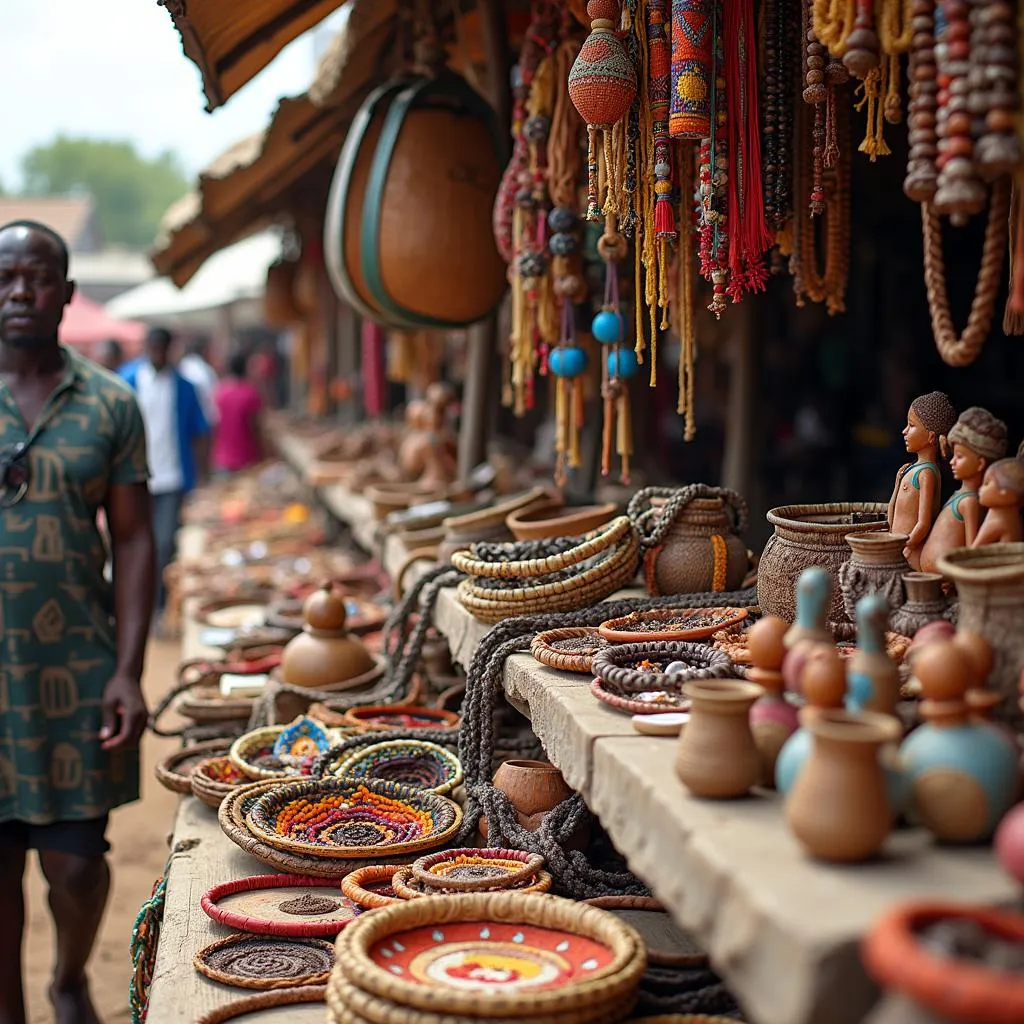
548,521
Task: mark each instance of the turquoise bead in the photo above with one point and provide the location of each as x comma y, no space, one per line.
567,361
607,327
622,363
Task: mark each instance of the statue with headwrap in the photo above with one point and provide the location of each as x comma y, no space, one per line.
917,497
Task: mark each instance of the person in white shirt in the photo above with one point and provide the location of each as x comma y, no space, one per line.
195,368
176,441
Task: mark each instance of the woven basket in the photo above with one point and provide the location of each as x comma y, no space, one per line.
232,822
348,1004
264,944
211,791
409,762
545,648
666,702
355,740
510,867
604,986
174,771
614,666
298,928
353,885
265,1001
381,717
408,808
408,887
260,742
671,623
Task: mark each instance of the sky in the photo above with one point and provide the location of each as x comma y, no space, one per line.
115,70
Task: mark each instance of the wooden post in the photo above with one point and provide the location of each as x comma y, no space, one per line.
737,448
481,342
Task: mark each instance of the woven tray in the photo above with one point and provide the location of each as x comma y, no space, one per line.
355,740
174,771
615,666
232,822
651,702
408,887
476,870
375,818
266,962
413,763
667,944
282,905
568,650
381,717
213,779
258,746
432,944
670,624
265,1001
348,1004
370,887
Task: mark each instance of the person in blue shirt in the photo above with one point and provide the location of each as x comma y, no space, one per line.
177,447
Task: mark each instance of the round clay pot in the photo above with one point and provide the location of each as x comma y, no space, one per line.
924,603
717,757
839,808
552,520
533,787
957,990
877,566
990,585
807,535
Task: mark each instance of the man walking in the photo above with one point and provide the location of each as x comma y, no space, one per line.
176,442
196,369
72,645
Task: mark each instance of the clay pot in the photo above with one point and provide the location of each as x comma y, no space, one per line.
807,535
957,990
486,525
924,603
839,808
533,787
877,566
323,654
717,757
990,586
688,560
386,498
552,520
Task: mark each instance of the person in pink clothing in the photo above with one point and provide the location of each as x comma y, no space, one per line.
238,440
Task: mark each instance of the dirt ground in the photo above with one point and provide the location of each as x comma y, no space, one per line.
138,835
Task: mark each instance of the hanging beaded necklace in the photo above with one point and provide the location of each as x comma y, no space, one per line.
779,59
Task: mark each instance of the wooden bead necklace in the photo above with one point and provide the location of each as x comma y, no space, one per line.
994,86
922,173
777,110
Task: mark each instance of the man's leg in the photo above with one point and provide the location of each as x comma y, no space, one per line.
12,899
166,518
72,856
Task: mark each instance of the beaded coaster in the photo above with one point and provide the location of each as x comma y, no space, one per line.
345,819
263,962
569,650
410,762
300,908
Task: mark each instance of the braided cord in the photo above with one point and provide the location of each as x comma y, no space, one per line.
654,524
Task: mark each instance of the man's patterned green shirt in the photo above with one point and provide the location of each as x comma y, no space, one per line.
57,638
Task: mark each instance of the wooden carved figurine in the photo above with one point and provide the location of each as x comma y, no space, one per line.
978,439
813,593
773,719
872,678
917,496
1002,494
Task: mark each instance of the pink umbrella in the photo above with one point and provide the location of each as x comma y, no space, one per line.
87,325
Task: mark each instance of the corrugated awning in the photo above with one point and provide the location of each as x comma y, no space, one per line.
232,41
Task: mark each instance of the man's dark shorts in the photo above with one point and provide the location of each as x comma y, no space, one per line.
86,839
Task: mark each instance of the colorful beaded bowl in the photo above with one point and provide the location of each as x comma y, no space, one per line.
408,887
569,650
214,778
345,819
354,741
253,754
670,624
266,962
370,887
174,772
492,954
400,716
411,762
476,870
283,905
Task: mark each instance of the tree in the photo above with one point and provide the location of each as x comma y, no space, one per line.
131,192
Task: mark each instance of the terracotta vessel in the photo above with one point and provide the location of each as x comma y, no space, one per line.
717,757
533,787
877,566
324,654
702,551
807,535
839,809
990,586
957,989
924,603
486,525
552,520
772,718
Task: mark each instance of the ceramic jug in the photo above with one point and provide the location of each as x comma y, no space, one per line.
876,566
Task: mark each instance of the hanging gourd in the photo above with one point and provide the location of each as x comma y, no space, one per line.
602,85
